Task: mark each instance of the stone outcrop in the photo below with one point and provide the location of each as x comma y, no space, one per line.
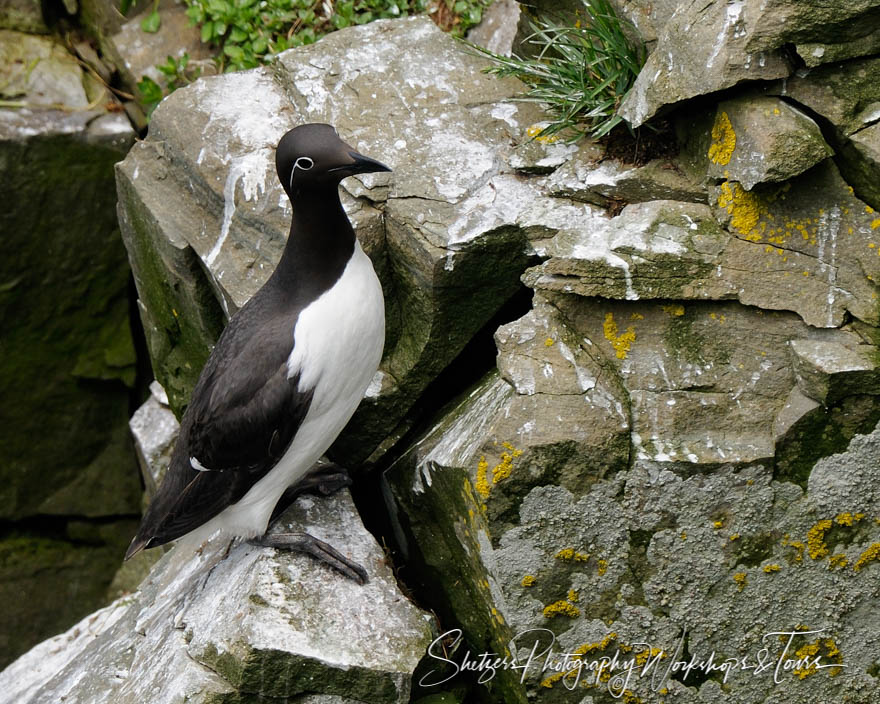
248,624
68,480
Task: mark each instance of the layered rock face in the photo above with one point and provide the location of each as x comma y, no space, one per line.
670,474
68,478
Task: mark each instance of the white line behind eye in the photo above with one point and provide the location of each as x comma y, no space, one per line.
304,163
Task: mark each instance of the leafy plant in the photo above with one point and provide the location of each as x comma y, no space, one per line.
248,32
580,73
177,72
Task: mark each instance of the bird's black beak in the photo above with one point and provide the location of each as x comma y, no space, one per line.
360,165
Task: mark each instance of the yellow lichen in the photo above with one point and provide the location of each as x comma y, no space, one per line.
816,546
741,580
723,140
482,484
745,210
503,469
718,524
771,568
572,554
620,342
839,561
561,608
602,567
869,555
675,310
734,536
548,342
536,132
528,580
573,596
797,545
848,519
806,652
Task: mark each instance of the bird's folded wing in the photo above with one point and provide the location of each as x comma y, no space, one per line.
240,421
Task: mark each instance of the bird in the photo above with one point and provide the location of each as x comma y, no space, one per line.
287,372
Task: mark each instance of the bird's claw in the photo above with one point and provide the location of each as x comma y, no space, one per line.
303,542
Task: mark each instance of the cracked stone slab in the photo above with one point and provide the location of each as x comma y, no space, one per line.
709,46
808,245
288,627
584,178
761,139
827,371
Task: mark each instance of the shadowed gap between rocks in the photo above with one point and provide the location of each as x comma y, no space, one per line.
472,363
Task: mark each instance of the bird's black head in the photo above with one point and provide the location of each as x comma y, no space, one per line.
313,156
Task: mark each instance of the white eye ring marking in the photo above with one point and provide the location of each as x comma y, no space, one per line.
304,163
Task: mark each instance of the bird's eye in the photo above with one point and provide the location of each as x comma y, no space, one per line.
303,163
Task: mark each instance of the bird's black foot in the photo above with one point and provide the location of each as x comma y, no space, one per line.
325,478
303,542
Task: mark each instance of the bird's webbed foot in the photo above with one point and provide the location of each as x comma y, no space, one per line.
325,478
303,542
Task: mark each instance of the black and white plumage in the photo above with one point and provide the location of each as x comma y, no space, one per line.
288,371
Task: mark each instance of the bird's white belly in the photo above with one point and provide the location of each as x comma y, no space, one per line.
338,341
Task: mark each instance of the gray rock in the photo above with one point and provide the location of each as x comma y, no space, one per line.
586,179
497,29
828,371
287,628
807,245
759,140
136,53
23,16
707,47
703,48
154,429
40,69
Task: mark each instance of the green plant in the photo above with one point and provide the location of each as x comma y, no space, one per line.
177,72
580,73
248,32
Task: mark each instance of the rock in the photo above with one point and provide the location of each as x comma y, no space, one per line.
23,16
828,371
703,48
628,585
807,245
41,69
449,234
54,577
137,53
847,97
497,29
759,140
611,181
707,47
69,479
154,429
68,353
291,628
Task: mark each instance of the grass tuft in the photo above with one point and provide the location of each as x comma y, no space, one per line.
580,74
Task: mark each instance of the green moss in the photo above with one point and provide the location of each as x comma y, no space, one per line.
67,353
181,316
684,338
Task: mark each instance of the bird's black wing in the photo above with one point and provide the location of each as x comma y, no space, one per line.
243,415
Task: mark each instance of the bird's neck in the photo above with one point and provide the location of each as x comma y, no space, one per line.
319,246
